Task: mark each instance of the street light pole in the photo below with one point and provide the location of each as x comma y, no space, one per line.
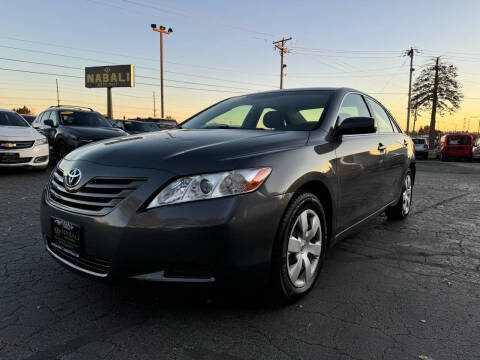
162,31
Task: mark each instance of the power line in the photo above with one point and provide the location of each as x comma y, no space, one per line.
139,83
139,67
237,29
343,56
138,76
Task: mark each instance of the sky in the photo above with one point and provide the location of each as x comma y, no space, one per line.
220,49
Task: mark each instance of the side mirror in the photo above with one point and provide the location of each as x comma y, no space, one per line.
49,122
356,125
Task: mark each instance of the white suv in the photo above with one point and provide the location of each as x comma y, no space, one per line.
20,144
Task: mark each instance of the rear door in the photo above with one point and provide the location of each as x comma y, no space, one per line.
395,145
359,163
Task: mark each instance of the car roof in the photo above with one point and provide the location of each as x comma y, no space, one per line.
335,89
69,109
7,110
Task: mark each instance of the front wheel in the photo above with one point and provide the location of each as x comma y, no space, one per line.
402,208
300,249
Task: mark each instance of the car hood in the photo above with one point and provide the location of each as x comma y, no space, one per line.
19,133
183,151
94,132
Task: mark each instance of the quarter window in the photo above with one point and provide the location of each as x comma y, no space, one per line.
353,105
383,122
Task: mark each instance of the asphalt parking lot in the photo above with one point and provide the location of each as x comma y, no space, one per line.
392,290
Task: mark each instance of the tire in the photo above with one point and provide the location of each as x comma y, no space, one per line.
290,280
61,150
400,210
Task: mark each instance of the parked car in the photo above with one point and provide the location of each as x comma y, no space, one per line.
253,189
476,149
421,147
68,127
29,118
20,144
162,123
136,127
455,146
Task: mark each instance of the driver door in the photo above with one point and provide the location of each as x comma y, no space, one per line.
359,168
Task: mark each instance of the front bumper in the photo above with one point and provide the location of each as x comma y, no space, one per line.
36,156
225,239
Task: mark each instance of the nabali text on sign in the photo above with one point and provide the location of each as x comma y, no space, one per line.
109,76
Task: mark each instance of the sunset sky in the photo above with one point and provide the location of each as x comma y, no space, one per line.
224,48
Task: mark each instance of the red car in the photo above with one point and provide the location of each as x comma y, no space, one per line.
457,146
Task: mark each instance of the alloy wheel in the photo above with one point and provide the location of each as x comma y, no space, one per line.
304,248
407,195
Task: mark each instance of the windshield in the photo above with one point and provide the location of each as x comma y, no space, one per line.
458,140
419,141
288,111
83,118
8,118
139,126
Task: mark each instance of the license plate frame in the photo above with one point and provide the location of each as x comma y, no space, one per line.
66,236
6,157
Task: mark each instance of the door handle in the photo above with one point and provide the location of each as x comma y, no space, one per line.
381,147
405,142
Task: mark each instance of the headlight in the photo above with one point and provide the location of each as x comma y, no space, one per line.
209,186
41,141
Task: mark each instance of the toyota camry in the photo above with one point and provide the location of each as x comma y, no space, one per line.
253,190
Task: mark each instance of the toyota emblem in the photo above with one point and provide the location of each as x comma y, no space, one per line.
73,177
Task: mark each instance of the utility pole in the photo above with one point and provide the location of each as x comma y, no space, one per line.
109,103
434,106
410,53
414,118
162,31
154,110
58,96
283,50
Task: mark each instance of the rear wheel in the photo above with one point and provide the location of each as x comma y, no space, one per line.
402,208
300,249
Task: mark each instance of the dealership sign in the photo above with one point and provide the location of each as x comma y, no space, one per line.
109,76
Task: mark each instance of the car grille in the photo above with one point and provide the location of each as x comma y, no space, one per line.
15,145
15,161
90,263
98,197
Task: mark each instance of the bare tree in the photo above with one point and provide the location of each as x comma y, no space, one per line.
23,110
437,89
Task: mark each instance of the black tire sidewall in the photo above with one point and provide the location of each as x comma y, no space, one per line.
300,203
